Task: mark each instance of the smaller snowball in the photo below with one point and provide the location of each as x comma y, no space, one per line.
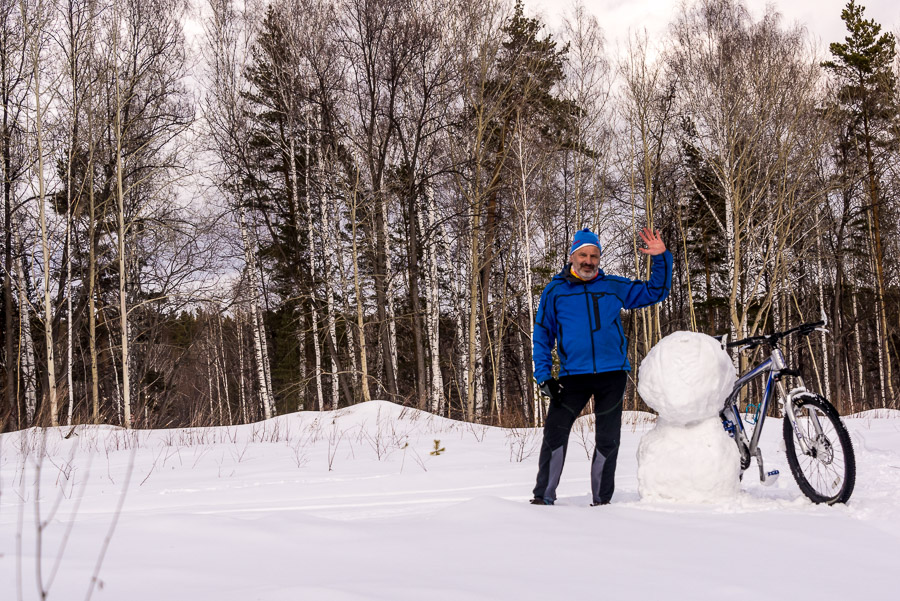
691,464
686,377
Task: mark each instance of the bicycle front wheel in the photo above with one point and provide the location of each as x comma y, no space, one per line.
826,473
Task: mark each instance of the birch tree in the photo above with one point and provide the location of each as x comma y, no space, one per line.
37,18
477,59
423,121
148,111
748,91
226,116
26,341
378,39
14,88
588,86
76,46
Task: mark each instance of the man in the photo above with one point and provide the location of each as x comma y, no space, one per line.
579,314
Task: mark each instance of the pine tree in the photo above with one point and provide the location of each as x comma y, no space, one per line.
867,105
522,88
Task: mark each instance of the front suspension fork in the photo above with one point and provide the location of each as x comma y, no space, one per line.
787,400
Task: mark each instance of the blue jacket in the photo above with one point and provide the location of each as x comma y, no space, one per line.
582,319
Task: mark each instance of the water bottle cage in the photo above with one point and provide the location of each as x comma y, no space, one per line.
754,409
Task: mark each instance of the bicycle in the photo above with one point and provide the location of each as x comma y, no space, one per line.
818,447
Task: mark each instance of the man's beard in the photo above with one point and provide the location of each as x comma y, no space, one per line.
584,273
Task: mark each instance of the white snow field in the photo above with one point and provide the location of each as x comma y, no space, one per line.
352,505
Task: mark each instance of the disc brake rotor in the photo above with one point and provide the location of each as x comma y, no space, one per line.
821,450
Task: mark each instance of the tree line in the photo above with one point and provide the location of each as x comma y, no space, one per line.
223,212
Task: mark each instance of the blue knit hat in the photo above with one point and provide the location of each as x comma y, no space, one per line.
583,238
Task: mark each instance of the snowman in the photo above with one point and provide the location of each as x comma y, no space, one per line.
687,456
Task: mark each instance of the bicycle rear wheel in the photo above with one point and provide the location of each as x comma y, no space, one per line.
827,472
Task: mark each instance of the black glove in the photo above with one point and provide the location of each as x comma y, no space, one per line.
551,388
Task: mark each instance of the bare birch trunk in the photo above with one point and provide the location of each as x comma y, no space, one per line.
849,378
390,291
882,362
242,397
354,357
360,324
859,355
879,309
474,342
687,272
478,376
118,391
69,333
73,135
219,402
317,351
209,385
334,233
432,305
460,302
121,233
497,358
301,318
353,354
27,342
329,252
776,311
301,360
416,263
259,347
642,329
262,363
92,283
874,222
263,339
220,354
527,381
40,108
537,410
11,366
123,301
314,312
826,367
732,255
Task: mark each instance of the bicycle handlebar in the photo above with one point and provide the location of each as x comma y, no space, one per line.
771,339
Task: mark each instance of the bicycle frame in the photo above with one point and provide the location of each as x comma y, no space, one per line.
772,366
775,367
764,367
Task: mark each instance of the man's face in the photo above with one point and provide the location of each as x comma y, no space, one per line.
585,261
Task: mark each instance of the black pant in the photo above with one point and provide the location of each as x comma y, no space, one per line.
608,390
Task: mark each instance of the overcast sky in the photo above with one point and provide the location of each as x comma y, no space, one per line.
821,17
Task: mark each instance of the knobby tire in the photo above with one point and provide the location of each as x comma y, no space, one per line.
823,480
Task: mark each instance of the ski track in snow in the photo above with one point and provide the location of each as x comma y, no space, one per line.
351,505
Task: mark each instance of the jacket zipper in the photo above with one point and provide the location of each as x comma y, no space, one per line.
587,302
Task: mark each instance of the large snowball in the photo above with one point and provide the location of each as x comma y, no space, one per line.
686,377
692,464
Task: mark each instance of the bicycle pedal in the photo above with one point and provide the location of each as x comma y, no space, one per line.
729,427
771,477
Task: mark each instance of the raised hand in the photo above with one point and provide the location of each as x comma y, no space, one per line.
655,245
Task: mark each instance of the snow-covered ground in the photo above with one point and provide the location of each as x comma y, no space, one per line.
353,505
